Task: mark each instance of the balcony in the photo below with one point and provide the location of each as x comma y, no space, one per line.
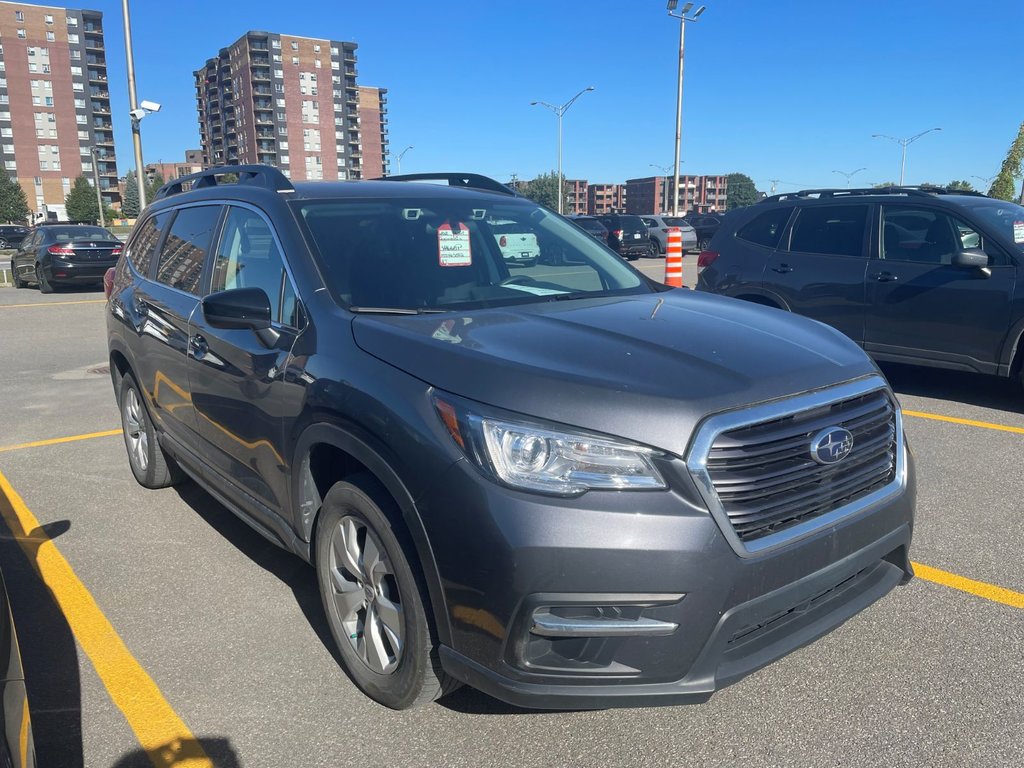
97,77
260,61
262,91
349,56
97,93
94,44
261,75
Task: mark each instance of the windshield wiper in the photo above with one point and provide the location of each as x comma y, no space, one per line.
396,310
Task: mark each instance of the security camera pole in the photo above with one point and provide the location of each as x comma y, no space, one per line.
133,105
683,16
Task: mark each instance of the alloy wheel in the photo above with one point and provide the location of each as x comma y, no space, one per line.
135,431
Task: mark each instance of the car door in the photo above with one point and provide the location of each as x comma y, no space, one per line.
924,307
242,406
23,261
163,306
821,272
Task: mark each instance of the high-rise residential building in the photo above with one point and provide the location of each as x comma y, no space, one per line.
373,128
54,104
606,198
575,197
700,194
284,100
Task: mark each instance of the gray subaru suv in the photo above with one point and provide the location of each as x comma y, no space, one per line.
563,484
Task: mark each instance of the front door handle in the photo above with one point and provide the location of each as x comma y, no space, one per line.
198,346
782,269
885,277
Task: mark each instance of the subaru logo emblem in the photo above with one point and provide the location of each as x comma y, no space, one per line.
831,445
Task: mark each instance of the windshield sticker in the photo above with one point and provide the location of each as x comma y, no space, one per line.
533,289
453,246
1018,231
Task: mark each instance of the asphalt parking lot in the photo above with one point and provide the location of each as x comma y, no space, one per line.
157,629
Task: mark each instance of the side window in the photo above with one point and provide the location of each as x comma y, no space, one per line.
649,223
248,257
186,246
830,230
923,235
765,229
143,246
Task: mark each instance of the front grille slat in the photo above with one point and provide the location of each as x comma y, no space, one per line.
766,479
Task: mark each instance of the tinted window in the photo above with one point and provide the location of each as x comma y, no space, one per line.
443,253
142,247
831,230
76,234
1007,218
248,257
649,222
923,235
765,229
675,221
181,259
591,225
631,224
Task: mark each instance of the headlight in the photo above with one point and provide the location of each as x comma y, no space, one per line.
535,458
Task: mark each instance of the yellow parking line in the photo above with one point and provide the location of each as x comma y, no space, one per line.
53,303
968,422
161,733
979,588
57,440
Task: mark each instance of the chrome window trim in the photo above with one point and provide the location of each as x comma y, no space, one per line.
712,427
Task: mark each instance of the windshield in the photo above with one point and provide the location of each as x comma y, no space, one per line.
1008,218
78,234
443,253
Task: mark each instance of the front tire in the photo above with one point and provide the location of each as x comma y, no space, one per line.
374,599
150,465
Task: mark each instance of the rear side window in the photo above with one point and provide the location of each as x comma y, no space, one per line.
186,246
766,228
830,230
143,245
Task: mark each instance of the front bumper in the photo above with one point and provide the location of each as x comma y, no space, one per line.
506,557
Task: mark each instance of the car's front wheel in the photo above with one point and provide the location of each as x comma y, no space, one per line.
375,602
150,465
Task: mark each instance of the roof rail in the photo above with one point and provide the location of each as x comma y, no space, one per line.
471,180
919,191
258,175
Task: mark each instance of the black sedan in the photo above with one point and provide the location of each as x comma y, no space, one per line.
63,254
11,235
16,748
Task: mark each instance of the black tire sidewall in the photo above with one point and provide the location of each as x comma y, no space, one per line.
144,478
402,687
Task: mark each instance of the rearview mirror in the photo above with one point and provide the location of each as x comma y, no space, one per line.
238,308
970,259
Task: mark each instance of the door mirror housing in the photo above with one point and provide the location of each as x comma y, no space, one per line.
238,308
970,259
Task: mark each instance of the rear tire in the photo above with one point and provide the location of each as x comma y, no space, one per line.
16,279
45,286
704,243
151,466
374,598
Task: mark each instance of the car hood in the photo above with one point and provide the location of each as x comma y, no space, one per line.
647,367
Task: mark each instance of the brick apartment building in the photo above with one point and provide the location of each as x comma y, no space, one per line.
373,128
606,198
575,197
54,103
284,100
653,194
193,163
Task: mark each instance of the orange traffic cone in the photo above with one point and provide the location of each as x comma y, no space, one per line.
674,258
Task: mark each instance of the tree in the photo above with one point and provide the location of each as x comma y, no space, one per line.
130,204
962,186
1004,187
544,190
81,203
13,204
153,186
740,191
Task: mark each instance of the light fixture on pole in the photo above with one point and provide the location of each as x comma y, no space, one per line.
903,143
559,111
683,16
663,168
400,156
988,181
849,175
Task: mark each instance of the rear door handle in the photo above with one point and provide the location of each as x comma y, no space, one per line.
197,344
885,277
782,269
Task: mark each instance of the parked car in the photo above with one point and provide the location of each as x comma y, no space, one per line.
17,749
571,489
592,227
627,235
657,229
11,235
924,277
53,255
706,225
517,247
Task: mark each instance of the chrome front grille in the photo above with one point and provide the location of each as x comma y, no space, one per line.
756,471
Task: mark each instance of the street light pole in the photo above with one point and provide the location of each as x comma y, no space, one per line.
96,183
133,105
559,112
849,175
400,156
683,18
904,143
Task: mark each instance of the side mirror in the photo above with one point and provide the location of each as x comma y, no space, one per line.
238,308
970,259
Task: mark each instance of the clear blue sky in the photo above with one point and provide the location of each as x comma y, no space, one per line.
788,89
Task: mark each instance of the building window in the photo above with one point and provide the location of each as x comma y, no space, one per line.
21,34
19,15
76,71
76,54
281,116
48,19
5,115
53,133
316,49
40,133
9,149
73,39
284,159
281,145
36,101
334,50
275,44
10,165
72,21
279,87
295,59
32,67
279,73
50,36
283,130
44,165
46,69
277,57
280,102
78,86
295,46
30,51
81,120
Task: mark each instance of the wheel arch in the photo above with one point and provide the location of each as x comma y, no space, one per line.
764,298
1012,359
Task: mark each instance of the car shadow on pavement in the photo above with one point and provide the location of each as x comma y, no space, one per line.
977,389
219,751
287,567
48,652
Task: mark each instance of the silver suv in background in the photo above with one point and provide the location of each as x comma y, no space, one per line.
658,226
